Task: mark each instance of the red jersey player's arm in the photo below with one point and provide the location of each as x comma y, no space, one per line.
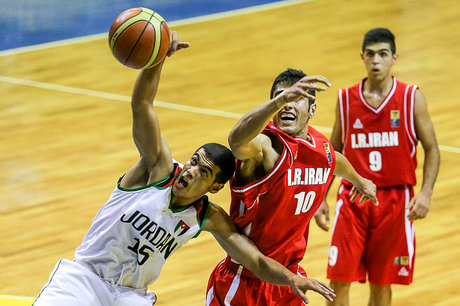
344,169
425,133
243,250
322,214
244,140
336,134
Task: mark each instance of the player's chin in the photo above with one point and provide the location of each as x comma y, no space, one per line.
283,123
288,128
187,192
179,190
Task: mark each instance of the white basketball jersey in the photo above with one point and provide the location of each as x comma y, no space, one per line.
135,232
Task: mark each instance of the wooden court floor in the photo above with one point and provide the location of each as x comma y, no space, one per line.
65,135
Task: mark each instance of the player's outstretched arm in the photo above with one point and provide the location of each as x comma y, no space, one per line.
243,137
155,162
364,186
243,250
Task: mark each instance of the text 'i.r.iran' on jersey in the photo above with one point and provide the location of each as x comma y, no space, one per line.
374,140
307,176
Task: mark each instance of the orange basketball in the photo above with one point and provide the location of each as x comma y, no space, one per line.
139,38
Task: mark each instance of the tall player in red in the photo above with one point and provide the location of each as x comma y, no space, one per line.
378,124
283,170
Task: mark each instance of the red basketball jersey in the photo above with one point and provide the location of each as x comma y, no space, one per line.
380,143
276,210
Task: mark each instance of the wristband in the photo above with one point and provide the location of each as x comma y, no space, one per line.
279,100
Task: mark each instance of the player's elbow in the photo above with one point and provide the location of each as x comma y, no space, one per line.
140,106
235,145
233,140
151,159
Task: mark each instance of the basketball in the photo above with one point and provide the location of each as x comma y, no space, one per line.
139,38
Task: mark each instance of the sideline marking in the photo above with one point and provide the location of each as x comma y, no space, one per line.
161,104
16,297
110,96
12,300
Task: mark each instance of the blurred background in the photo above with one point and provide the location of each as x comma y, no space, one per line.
65,121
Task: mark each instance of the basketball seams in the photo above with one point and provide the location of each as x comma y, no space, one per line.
158,17
139,45
154,14
139,38
156,49
158,38
127,23
147,11
113,35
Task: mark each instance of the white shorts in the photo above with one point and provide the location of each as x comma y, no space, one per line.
71,284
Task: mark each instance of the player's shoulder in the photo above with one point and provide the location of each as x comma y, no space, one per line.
355,86
317,134
402,88
401,83
217,218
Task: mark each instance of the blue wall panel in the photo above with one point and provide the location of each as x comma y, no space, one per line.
30,22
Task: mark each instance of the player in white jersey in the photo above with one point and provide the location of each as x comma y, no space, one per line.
156,207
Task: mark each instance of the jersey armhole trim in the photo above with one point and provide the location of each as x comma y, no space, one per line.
49,282
159,184
342,119
205,218
266,177
412,112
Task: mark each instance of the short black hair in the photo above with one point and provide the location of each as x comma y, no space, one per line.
222,157
288,78
379,35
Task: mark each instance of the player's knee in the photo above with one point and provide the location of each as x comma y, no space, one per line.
380,289
340,286
380,295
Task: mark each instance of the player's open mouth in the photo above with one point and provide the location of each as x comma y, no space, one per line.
287,117
182,182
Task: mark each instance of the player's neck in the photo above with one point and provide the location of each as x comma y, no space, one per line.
303,134
376,90
178,202
378,84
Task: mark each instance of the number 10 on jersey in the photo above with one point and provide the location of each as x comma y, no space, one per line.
304,201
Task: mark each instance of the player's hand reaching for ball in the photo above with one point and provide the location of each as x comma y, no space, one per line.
175,44
302,285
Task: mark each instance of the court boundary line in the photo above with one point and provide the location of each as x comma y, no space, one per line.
160,104
17,297
179,22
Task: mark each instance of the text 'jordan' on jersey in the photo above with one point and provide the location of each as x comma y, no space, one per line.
135,232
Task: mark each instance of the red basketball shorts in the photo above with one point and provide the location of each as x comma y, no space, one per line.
377,240
231,284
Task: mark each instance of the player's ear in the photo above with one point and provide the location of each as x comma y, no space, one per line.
312,111
215,187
